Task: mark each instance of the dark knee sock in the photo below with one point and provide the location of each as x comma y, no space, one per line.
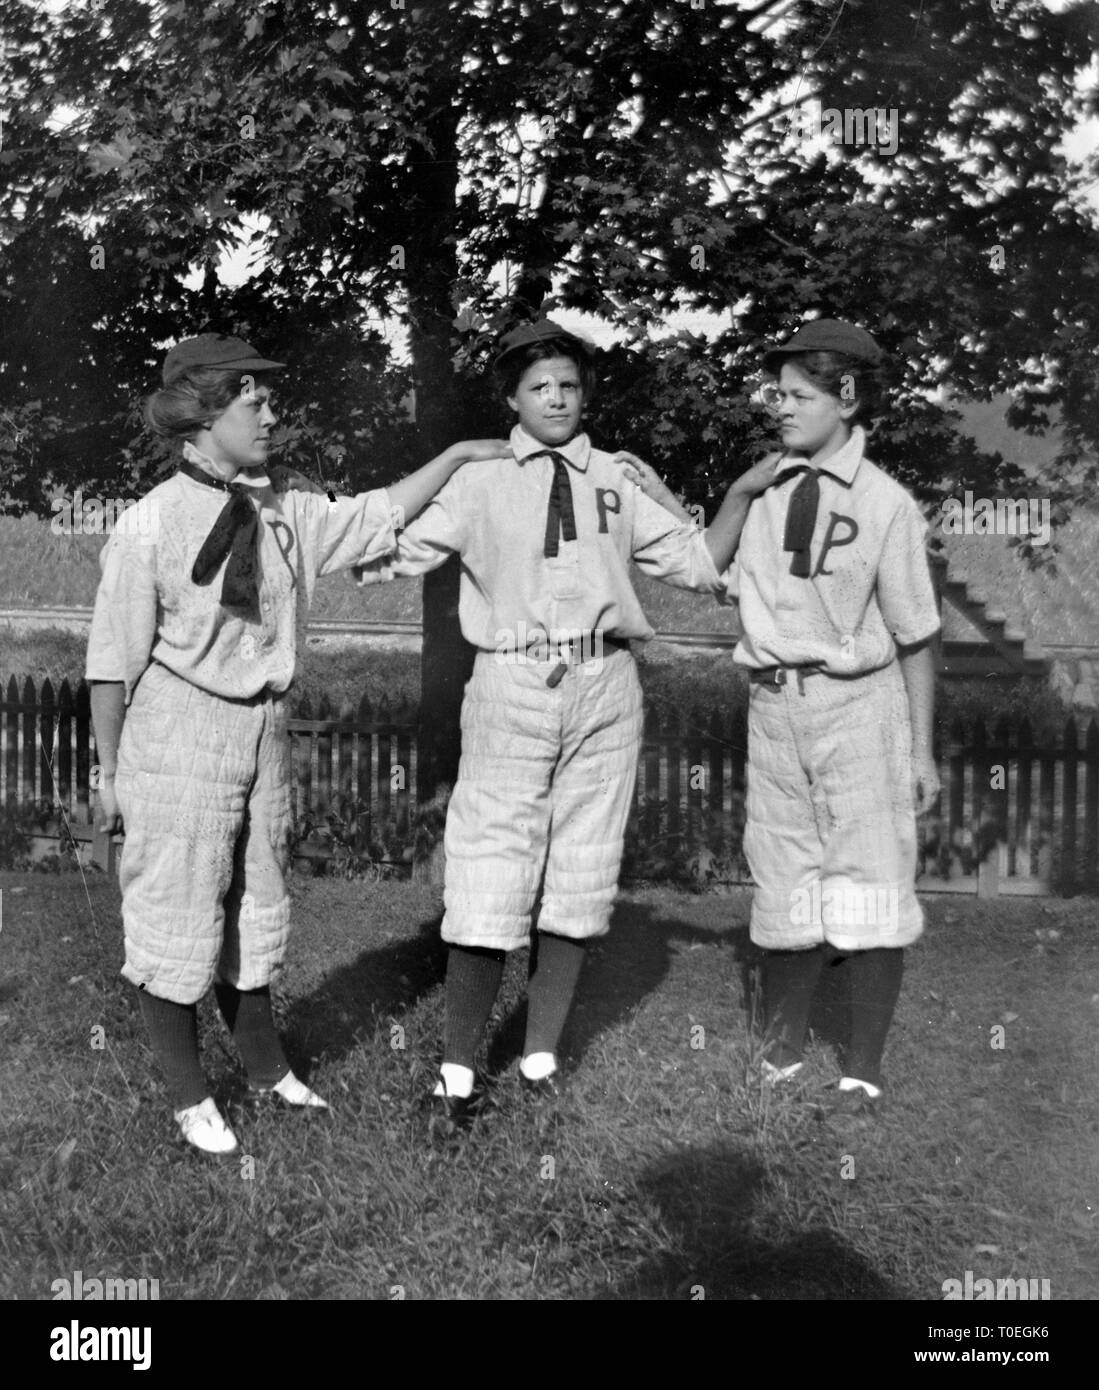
173,1036
556,962
789,979
248,1014
473,976
875,987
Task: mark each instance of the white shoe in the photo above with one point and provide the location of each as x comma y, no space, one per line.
538,1066
852,1083
203,1126
775,1076
295,1092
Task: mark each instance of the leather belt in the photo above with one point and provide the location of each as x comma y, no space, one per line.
575,652
782,675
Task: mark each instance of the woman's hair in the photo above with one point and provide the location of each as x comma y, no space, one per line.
194,399
847,378
510,371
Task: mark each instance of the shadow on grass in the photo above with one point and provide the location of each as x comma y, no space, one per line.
620,971
830,1011
706,1197
830,1014
332,1021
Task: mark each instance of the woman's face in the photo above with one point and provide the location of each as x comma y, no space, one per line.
549,400
813,422
240,436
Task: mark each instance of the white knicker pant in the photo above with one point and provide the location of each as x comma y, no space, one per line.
204,788
831,827
545,783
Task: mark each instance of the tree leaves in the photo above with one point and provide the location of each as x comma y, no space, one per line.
378,129
105,158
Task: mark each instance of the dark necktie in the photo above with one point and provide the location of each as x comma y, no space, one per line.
560,518
234,533
801,518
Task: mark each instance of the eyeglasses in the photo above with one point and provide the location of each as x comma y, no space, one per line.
769,396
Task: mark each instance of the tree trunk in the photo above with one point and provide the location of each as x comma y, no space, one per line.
446,659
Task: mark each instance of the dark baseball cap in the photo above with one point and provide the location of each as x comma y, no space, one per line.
826,335
214,350
541,331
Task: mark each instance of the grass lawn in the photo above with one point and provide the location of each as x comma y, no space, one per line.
667,1169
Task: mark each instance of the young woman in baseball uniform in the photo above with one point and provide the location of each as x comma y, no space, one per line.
838,611
551,720
204,593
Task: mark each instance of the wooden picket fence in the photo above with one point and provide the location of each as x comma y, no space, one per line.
1015,816
362,758
357,763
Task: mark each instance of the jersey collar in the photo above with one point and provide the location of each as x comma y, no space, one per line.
577,451
842,465
220,471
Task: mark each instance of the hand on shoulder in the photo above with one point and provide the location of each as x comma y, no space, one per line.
638,471
480,450
650,482
759,477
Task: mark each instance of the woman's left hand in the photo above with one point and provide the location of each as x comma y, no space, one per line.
651,484
109,817
643,474
925,780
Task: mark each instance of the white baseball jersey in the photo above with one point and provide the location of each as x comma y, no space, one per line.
870,584
494,515
148,608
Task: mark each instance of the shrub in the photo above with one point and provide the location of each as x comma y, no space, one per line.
349,842
706,850
711,684
15,831
18,824
994,698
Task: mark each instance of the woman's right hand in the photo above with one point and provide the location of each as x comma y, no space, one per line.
758,478
479,451
109,817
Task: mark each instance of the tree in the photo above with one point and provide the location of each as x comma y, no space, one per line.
461,165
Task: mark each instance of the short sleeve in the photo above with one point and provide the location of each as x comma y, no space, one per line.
905,589
124,620
348,531
428,541
669,549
